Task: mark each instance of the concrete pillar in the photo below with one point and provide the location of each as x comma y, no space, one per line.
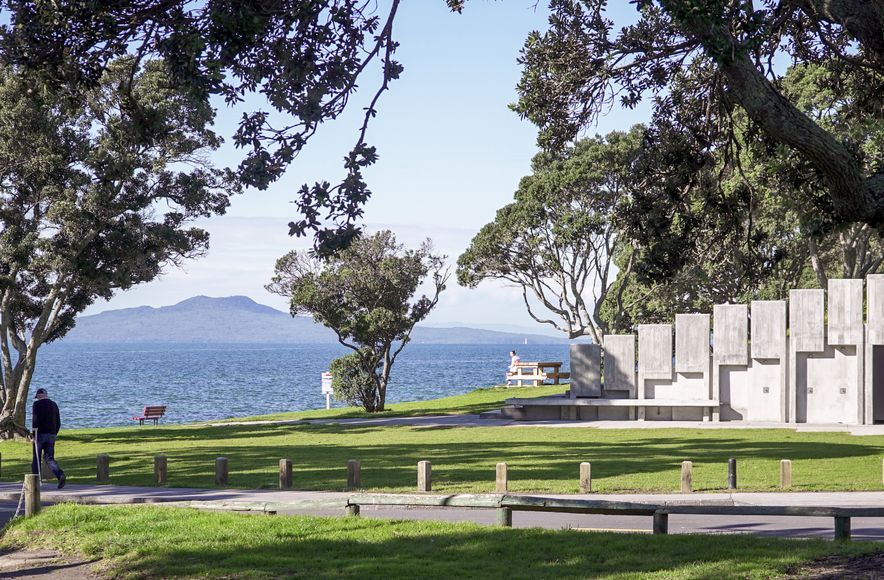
842,528
586,370
769,342
424,476
501,482
285,474
661,523
160,470
102,467
505,517
221,471
585,478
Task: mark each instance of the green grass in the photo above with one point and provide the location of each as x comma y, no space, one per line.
166,542
477,401
541,459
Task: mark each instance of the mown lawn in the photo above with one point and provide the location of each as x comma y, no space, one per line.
477,401
149,541
541,459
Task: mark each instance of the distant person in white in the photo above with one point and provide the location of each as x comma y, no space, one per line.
515,361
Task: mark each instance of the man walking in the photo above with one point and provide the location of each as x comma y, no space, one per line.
46,421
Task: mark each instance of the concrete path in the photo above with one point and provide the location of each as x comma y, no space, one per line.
499,421
863,528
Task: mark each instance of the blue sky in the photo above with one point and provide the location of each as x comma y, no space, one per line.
451,154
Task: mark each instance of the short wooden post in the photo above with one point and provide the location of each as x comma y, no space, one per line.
1,465
501,482
160,470
882,471
505,517
424,476
32,494
352,510
786,473
354,474
661,523
585,477
221,471
732,473
687,477
842,528
102,467
285,474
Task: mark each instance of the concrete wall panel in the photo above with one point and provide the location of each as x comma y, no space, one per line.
875,292
586,370
845,312
620,362
692,343
655,351
768,329
730,332
806,315
827,389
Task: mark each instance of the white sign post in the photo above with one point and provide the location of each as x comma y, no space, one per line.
327,388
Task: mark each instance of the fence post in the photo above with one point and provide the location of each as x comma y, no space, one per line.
585,477
354,475
1,464
285,474
424,476
501,480
842,528
732,473
687,477
786,473
102,467
32,494
221,471
505,517
661,523
160,470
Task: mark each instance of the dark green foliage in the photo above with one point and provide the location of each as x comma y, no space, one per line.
96,195
364,294
352,382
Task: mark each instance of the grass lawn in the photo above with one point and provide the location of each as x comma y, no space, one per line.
477,401
166,542
541,459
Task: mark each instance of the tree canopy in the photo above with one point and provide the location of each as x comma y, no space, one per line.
96,195
364,293
304,57
705,65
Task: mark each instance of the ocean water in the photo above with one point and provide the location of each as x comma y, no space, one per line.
104,385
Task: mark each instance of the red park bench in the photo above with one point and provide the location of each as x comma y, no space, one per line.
151,414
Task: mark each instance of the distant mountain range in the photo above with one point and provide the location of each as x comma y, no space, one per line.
239,319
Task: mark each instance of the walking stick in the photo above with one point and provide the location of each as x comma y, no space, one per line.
39,459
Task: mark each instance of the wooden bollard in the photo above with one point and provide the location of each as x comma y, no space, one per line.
505,517
882,471
160,470
585,477
842,528
102,467
221,472
32,494
424,476
1,465
732,473
786,473
285,474
687,477
354,474
661,523
501,482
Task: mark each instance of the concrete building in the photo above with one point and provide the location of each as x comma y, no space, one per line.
772,361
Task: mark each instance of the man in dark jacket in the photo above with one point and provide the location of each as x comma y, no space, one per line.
46,421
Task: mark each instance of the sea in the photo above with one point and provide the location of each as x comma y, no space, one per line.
100,385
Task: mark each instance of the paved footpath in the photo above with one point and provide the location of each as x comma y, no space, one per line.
863,528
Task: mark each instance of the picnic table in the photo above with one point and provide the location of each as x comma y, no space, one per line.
536,373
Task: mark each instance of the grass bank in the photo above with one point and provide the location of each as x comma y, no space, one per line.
541,459
160,542
477,401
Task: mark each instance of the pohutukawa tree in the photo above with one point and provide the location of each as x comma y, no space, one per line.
366,295
96,195
707,64
558,241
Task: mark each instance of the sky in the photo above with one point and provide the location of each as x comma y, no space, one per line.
451,154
